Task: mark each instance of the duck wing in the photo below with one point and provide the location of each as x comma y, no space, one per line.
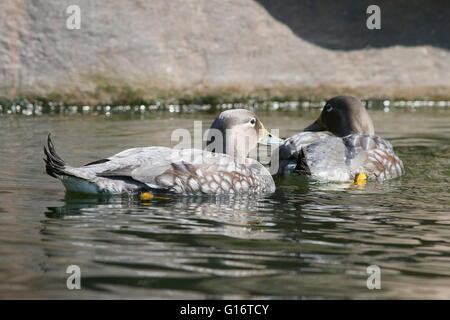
372,155
110,175
333,158
284,159
181,171
325,160
191,171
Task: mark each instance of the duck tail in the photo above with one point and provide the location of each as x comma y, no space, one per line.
54,165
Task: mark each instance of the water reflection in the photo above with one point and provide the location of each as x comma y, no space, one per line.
234,216
308,240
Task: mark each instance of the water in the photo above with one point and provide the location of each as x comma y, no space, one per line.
307,240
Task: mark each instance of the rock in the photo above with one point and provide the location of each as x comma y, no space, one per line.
132,49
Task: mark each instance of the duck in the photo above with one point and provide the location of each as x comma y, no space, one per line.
340,145
222,168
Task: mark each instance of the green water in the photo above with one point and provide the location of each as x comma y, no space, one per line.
307,240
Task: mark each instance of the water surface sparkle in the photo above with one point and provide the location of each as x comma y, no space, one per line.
308,240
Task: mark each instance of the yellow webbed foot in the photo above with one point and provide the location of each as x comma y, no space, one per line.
360,179
145,196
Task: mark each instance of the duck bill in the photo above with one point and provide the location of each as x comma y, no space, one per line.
269,139
316,126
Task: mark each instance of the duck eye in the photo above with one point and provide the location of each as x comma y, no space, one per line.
253,121
328,108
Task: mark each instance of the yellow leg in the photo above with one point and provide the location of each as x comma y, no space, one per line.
144,196
360,179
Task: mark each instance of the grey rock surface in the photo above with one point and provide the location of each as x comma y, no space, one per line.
138,48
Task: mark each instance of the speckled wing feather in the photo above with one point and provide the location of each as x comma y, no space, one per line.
374,156
288,152
191,171
325,160
333,158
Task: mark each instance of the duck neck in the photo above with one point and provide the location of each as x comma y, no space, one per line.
236,148
228,143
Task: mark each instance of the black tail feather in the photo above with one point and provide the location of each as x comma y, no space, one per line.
54,164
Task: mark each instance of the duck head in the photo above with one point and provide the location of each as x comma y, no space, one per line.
343,115
236,132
